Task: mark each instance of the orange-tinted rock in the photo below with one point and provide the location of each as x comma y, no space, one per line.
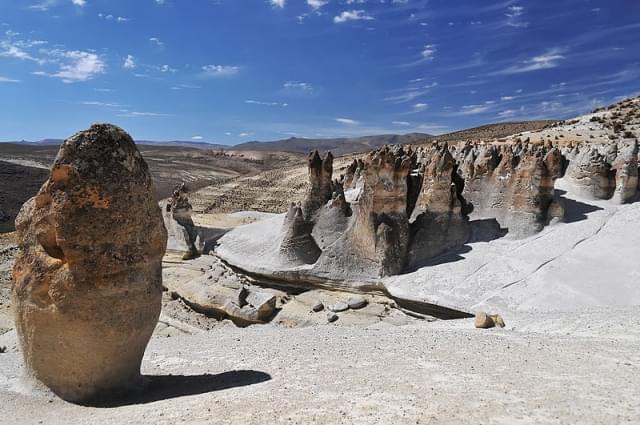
88,279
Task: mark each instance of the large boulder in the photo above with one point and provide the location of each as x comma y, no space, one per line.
589,173
88,278
625,166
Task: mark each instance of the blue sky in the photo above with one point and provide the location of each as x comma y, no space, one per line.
229,71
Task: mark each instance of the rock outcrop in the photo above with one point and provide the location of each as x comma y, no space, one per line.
439,220
320,184
88,278
625,166
512,183
589,173
376,239
298,246
176,213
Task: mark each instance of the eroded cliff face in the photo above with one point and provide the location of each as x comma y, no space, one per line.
512,183
599,171
321,184
439,220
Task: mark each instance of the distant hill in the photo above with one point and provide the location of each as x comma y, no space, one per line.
494,131
338,146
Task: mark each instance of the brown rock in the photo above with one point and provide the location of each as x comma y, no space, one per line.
88,278
483,321
321,184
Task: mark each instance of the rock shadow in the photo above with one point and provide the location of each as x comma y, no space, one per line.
482,230
165,387
575,211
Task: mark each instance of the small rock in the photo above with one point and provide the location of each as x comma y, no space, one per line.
497,319
356,303
483,321
331,317
338,307
318,306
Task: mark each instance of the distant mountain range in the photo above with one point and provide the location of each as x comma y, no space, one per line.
338,146
344,145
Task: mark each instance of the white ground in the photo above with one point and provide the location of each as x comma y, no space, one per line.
579,368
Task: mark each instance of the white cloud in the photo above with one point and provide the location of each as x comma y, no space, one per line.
257,102
347,121
514,17
507,98
74,65
165,69
473,109
102,104
316,4
197,138
8,80
160,2
157,41
298,87
352,15
278,3
79,2
135,114
122,20
129,62
420,106
548,60
245,134
428,51
184,86
402,123
215,71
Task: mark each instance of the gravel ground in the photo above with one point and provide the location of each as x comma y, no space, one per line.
438,372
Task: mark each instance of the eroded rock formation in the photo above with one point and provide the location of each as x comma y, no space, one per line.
176,213
512,183
439,220
320,184
87,281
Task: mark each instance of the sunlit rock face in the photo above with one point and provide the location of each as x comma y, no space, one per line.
439,220
604,171
88,277
512,183
176,214
320,184
376,236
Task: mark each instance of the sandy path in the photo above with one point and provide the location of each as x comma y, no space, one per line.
441,372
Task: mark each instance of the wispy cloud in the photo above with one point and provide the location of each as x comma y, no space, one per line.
402,123
428,52
258,102
298,87
278,3
547,60
219,71
136,114
515,17
185,86
157,42
79,2
347,121
352,15
8,80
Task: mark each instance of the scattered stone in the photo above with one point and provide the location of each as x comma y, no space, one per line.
318,306
356,303
487,321
497,319
88,277
483,321
331,317
338,307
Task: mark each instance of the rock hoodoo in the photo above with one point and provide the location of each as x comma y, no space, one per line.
88,279
320,184
176,213
512,183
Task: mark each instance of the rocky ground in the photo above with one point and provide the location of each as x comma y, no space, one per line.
578,368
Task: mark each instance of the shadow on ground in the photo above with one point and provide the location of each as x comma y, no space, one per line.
165,387
482,230
575,211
